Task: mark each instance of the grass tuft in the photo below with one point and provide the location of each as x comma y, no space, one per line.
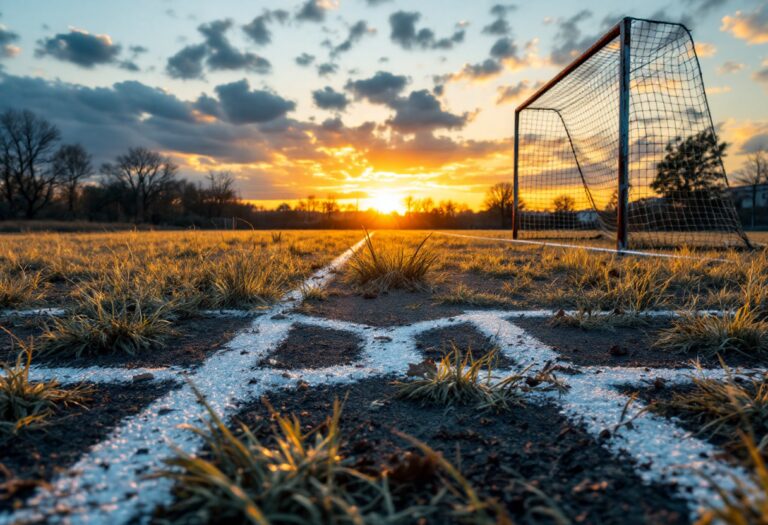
740,332
27,405
20,288
244,278
461,379
387,267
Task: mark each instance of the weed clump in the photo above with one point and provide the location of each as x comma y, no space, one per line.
20,288
27,405
461,379
387,267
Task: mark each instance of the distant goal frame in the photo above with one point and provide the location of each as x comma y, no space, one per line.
623,32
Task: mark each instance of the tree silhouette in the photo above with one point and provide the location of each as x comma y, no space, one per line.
564,204
499,199
691,169
71,164
753,174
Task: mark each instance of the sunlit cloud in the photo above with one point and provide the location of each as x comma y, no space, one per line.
751,26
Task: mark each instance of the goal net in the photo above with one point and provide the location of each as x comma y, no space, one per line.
620,145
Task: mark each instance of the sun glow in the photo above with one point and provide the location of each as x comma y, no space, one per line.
385,201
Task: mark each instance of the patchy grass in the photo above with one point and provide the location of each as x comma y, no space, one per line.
586,320
27,405
385,266
747,503
464,295
20,287
460,379
724,409
740,332
304,477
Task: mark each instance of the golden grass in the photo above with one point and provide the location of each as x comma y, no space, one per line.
382,266
20,287
27,405
302,478
460,379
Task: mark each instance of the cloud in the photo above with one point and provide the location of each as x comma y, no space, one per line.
223,56
79,47
569,39
381,88
312,11
515,92
705,49
358,30
704,7
730,66
216,52
761,75
327,68
258,28
187,63
304,59
421,111
405,33
484,70
328,98
243,106
500,26
751,26
374,3
7,38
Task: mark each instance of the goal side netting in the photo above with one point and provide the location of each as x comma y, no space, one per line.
642,118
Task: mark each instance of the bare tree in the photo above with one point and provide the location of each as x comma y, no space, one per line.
426,205
219,192
71,164
753,174
26,150
500,198
330,205
410,204
564,204
145,174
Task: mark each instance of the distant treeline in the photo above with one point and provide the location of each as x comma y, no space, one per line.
43,179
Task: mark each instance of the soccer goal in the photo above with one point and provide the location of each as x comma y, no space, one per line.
620,145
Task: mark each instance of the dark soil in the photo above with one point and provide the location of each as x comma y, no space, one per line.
37,455
313,347
617,347
437,342
196,340
537,442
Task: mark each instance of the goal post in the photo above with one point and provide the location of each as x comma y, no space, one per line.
620,145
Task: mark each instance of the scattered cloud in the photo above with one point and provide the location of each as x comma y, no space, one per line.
358,30
243,106
730,66
79,47
421,111
751,26
381,88
304,59
705,49
569,40
405,33
516,92
328,98
500,26
7,39
327,69
258,28
761,75
313,11
704,7
216,52
717,90
374,3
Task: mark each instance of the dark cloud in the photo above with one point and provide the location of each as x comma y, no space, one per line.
704,7
221,53
7,38
504,48
243,106
358,30
570,40
375,3
761,75
405,33
328,98
304,59
756,143
311,11
187,63
258,28
500,26
381,88
514,92
501,10
327,69
217,52
80,48
421,111
488,68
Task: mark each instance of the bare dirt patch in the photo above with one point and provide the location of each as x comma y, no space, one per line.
435,343
535,441
314,347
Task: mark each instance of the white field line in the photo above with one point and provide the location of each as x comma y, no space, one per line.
108,486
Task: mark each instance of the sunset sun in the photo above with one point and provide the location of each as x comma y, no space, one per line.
386,202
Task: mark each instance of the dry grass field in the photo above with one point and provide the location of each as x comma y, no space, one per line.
402,377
